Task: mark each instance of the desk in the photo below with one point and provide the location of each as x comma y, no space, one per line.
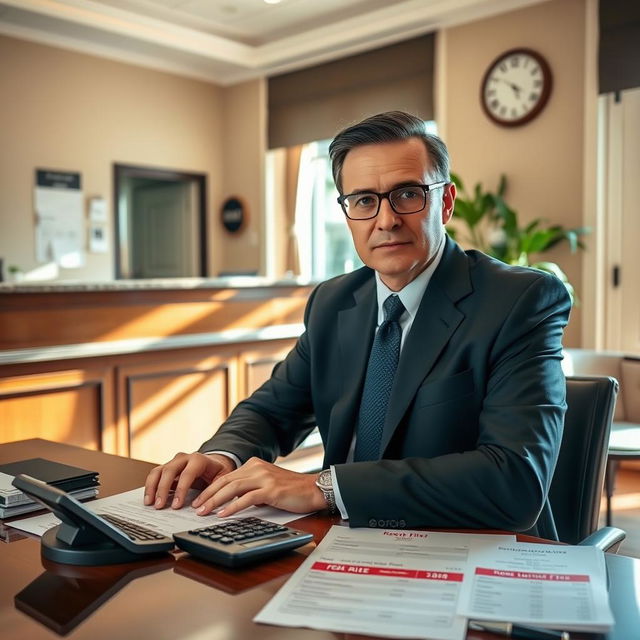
177,597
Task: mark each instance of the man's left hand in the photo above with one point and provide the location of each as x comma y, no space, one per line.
258,482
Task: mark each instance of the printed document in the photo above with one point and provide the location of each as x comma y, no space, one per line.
392,583
543,585
129,506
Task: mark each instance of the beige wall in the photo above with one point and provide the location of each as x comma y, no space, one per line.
75,112
542,160
244,144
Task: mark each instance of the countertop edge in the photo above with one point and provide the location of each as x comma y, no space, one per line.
139,345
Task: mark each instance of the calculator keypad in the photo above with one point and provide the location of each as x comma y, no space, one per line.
239,530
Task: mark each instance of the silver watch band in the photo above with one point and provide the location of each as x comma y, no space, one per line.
330,497
324,483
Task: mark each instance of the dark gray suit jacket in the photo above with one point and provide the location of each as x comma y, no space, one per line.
475,417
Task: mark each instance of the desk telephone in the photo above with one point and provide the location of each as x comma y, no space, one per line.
87,538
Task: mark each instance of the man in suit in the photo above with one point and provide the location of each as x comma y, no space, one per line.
433,374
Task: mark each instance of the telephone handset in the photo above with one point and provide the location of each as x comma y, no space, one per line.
87,538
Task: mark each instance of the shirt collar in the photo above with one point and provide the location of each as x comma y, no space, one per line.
411,294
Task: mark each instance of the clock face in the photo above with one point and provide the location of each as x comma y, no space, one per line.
516,87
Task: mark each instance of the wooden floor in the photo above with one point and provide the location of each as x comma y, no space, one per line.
626,510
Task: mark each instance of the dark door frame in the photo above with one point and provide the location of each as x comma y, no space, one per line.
122,171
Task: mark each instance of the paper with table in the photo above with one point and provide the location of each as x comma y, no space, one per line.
129,506
420,584
390,583
554,586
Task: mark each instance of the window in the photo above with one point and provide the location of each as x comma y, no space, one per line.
324,240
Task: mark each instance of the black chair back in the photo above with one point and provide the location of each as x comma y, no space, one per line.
577,483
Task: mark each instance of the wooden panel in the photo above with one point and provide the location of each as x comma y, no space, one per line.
257,362
175,402
71,406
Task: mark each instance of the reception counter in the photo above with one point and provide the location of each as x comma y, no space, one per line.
139,368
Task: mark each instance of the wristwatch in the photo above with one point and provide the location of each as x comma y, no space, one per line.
324,482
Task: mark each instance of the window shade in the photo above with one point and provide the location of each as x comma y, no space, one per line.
315,103
619,54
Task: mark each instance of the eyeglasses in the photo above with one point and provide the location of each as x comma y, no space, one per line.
365,205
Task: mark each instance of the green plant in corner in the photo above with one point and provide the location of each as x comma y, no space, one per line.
492,227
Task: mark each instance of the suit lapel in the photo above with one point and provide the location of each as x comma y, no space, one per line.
356,326
434,325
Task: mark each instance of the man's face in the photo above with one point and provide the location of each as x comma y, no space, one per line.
398,247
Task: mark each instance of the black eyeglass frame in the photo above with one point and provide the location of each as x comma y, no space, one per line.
426,188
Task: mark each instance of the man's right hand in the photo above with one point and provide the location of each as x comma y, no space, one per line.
188,469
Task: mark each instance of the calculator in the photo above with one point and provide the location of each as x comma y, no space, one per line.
240,541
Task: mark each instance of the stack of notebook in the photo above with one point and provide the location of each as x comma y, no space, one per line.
80,483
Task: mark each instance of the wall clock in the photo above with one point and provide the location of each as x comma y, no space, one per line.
516,87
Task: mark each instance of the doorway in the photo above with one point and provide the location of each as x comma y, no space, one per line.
160,223
620,146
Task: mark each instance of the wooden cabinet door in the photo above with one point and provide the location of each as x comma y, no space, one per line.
174,402
256,362
72,406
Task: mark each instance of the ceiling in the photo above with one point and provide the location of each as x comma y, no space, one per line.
229,41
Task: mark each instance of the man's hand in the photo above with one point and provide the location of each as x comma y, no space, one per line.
188,469
258,482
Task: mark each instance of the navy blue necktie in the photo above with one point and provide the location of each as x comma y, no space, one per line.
383,362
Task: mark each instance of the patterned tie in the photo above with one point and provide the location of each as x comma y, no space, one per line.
383,362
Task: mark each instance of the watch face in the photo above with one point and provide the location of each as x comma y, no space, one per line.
324,479
516,87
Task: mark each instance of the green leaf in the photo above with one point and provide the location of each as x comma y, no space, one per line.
500,234
502,185
532,225
455,178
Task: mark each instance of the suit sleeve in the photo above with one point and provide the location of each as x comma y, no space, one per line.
278,416
503,482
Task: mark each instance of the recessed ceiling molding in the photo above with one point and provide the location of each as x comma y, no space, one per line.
139,27
146,41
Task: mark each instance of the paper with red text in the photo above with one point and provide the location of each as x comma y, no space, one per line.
544,585
391,583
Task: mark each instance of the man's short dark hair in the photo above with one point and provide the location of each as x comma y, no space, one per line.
390,126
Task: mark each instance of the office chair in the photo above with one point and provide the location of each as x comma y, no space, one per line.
624,440
576,488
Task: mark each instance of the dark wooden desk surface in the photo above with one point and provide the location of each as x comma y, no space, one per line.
175,597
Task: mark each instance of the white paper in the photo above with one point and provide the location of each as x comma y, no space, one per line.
60,226
129,506
543,585
98,210
29,505
391,583
7,489
98,242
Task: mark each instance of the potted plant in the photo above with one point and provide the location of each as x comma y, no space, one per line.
15,273
492,226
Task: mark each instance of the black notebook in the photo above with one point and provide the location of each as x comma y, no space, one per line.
64,476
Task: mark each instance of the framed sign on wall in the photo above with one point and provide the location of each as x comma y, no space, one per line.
233,214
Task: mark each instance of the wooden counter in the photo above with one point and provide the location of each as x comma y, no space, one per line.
138,371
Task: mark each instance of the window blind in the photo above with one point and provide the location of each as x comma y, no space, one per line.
619,51
315,103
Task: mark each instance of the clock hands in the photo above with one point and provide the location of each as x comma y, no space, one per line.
515,87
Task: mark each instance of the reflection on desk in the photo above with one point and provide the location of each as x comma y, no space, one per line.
64,595
237,580
8,534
